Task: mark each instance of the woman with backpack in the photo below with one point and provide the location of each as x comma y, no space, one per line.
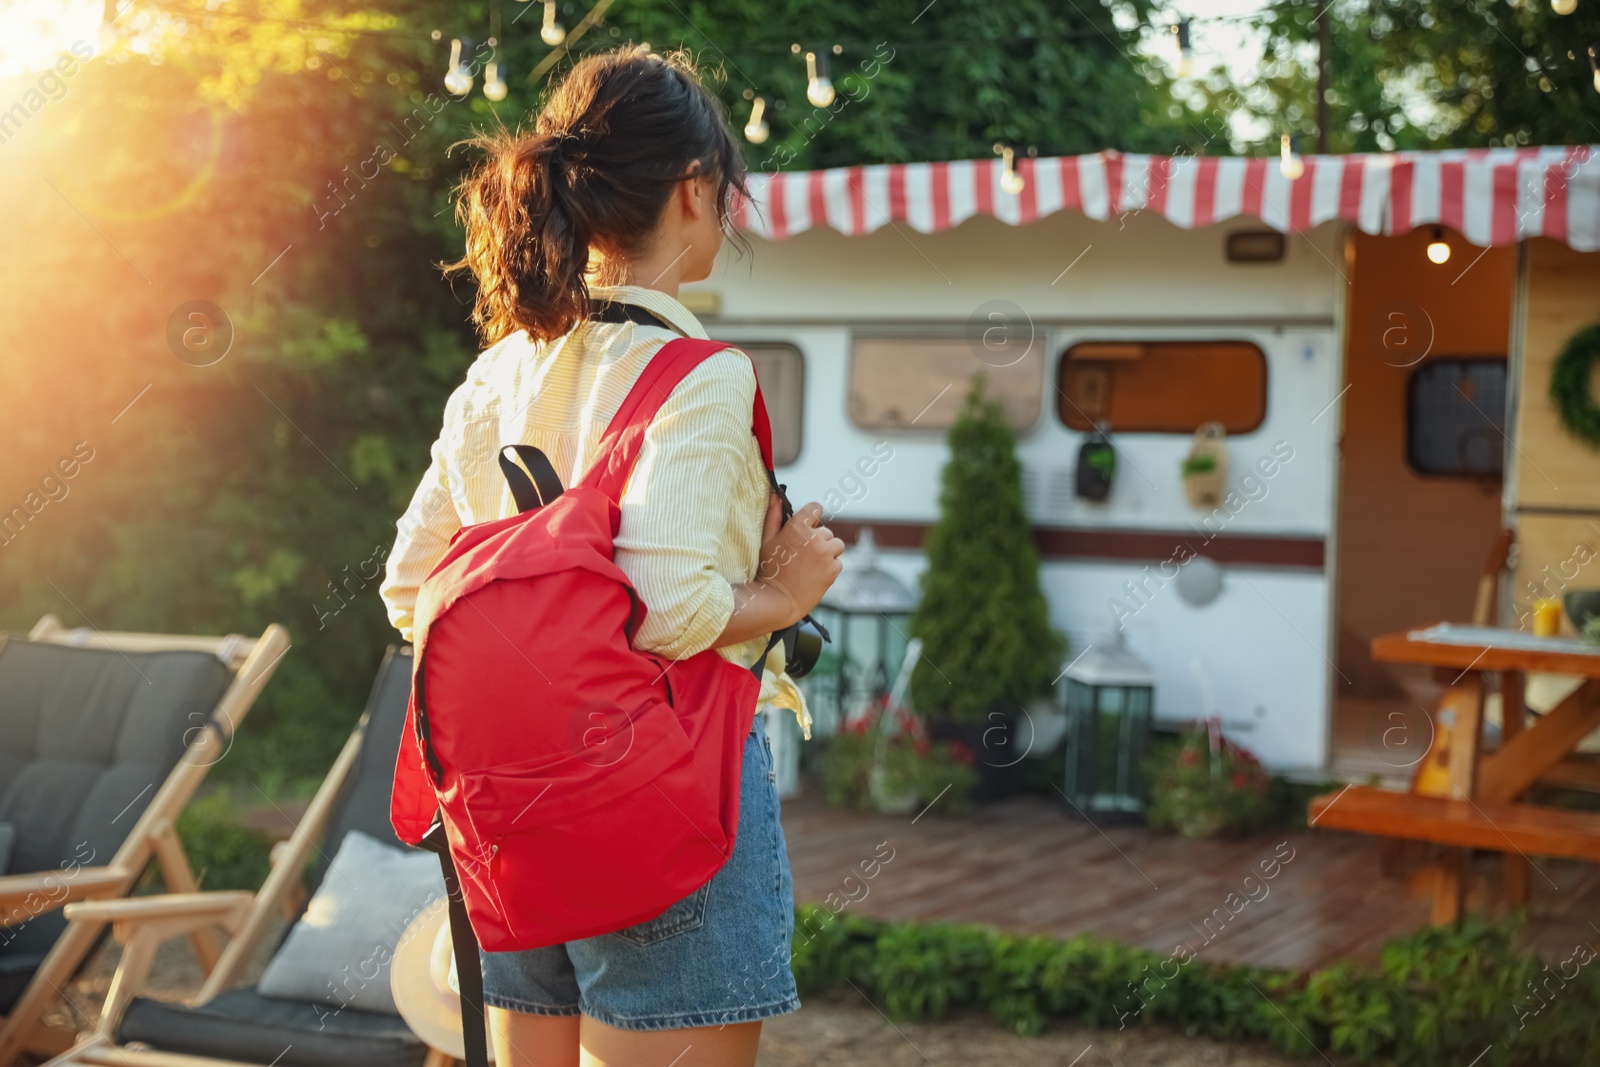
579,234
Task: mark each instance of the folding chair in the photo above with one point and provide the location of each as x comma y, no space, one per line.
104,737
228,1023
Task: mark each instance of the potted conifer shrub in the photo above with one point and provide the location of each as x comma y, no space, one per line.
988,648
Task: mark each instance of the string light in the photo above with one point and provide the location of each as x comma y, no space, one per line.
458,80
1438,248
1563,7
819,89
1010,180
756,130
552,32
494,86
1594,64
1290,165
1180,30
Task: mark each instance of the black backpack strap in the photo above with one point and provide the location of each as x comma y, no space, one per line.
546,484
469,967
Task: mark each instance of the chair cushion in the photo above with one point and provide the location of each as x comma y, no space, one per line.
338,953
245,1026
87,736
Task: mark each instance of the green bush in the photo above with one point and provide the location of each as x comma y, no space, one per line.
1440,996
987,642
1201,790
224,853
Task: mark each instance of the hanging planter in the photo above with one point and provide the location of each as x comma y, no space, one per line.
1097,465
1570,390
1205,468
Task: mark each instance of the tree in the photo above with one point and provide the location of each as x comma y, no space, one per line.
987,642
1428,74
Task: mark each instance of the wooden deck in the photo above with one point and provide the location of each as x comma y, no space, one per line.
1030,866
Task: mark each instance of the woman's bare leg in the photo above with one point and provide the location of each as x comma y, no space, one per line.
523,1040
702,1046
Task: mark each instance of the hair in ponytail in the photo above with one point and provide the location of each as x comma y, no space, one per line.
619,131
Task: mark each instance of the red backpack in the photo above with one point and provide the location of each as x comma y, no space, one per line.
583,785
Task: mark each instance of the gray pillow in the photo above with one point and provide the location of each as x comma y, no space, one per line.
8,837
339,951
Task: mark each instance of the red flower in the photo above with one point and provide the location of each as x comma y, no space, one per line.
1241,780
961,752
922,746
1189,755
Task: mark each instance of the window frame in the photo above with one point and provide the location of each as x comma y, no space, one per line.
1022,433
1063,360
1504,362
800,357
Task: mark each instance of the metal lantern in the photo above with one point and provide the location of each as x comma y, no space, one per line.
867,610
1110,696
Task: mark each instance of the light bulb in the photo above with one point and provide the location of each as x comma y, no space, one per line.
1185,49
756,131
1563,7
552,32
1594,64
1438,248
494,86
458,79
1010,180
819,89
1289,163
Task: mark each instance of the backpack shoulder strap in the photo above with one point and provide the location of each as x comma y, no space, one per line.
624,437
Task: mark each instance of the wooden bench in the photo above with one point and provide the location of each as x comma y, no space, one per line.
1522,828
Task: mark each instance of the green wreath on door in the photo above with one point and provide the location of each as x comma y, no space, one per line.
1569,386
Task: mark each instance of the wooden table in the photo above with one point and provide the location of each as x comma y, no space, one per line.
1493,783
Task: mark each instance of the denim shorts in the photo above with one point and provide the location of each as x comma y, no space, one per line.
718,956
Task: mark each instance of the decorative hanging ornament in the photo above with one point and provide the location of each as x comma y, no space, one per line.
552,32
756,131
458,79
1569,386
1563,7
1290,165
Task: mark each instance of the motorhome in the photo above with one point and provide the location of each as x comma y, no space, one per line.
1370,336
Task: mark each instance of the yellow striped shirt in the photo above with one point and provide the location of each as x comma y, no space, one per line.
692,511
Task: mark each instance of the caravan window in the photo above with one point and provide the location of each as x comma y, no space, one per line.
1163,386
781,370
921,383
1456,418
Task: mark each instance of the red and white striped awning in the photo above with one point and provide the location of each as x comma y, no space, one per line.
1491,196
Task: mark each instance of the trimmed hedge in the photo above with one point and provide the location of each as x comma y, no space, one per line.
1440,996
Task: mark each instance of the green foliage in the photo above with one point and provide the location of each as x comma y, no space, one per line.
1448,74
1204,793
1204,463
1440,996
223,853
983,619
1570,390
911,764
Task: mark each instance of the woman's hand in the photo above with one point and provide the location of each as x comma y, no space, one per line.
799,559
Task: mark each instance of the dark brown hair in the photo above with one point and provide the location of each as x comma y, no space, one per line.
619,131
